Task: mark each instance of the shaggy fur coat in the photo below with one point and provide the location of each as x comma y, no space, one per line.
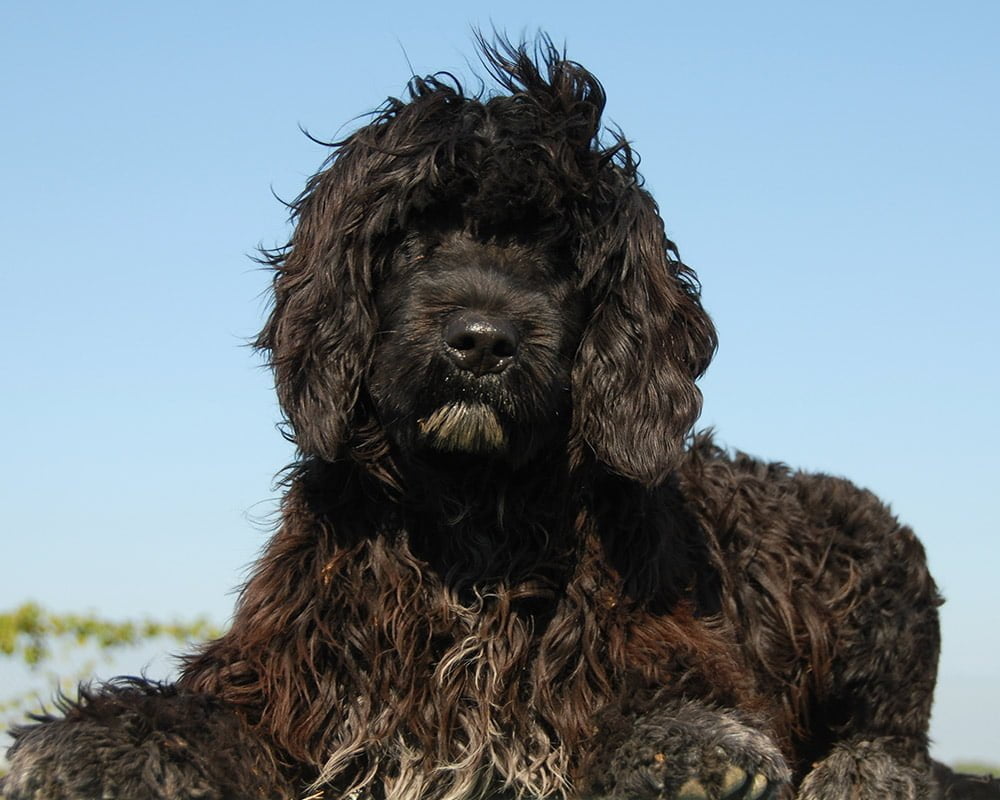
505,567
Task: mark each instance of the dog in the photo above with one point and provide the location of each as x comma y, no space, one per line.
506,567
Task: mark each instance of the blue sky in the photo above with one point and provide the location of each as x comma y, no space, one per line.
831,172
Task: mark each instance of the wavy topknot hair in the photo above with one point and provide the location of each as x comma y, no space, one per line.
528,162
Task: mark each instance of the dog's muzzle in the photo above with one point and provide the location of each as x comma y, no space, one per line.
480,346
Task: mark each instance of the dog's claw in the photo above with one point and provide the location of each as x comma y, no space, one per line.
758,787
733,782
692,790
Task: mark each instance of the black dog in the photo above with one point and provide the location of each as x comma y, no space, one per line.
505,568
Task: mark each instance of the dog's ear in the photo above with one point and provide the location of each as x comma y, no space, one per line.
321,332
321,329
647,341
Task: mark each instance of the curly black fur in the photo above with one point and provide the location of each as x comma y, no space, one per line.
505,568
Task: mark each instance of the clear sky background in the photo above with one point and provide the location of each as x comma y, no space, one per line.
830,170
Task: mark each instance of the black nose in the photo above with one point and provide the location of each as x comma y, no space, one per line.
480,343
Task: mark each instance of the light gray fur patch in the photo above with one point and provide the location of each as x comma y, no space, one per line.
464,428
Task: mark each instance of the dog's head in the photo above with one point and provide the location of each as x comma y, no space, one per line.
484,276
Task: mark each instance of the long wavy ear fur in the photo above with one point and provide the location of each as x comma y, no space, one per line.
321,332
322,326
649,338
647,342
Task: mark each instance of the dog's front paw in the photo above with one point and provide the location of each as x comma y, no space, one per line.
48,761
871,769
690,752
133,739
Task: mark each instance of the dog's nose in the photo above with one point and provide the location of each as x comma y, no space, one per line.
479,343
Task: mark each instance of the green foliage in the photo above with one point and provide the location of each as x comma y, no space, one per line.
59,650
977,768
29,633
